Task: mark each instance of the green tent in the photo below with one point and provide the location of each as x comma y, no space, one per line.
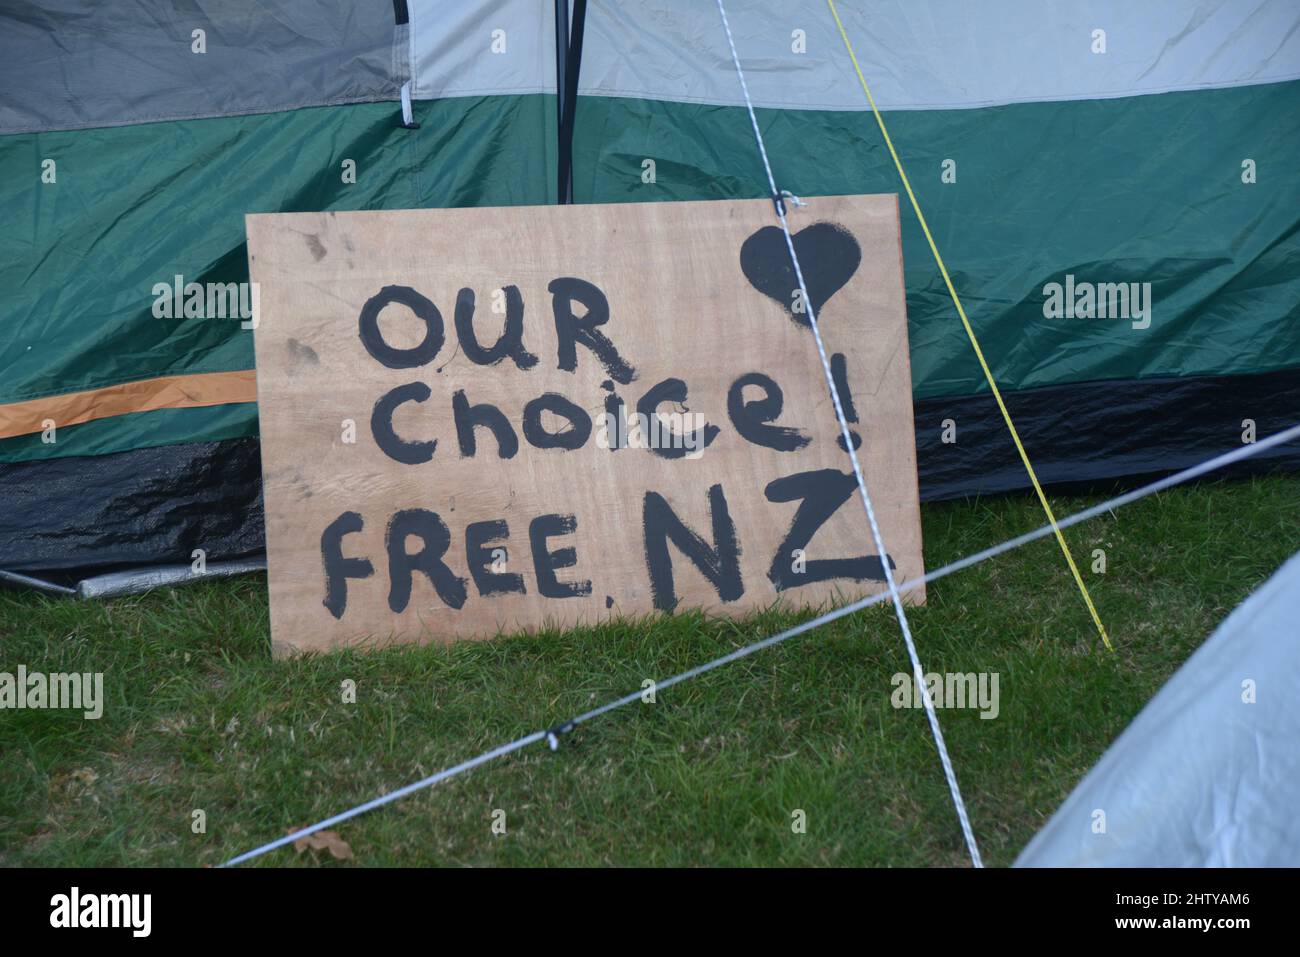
1112,189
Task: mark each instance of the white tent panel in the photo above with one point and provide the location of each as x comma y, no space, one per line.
1208,774
917,54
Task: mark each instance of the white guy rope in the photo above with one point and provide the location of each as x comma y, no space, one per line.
895,597
550,735
388,798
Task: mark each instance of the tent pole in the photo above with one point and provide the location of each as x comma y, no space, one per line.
568,66
137,580
563,193
27,581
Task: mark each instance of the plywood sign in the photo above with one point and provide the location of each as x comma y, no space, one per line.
478,421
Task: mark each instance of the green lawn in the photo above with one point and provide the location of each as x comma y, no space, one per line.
198,716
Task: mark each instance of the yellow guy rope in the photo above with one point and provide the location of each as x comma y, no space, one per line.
970,333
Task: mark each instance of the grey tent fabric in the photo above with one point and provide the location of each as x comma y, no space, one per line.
1208,774
75,64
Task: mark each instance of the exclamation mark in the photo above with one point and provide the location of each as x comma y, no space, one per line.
840,376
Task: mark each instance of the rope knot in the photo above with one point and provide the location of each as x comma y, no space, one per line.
553,734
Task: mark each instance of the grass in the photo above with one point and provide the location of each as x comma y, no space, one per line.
198,716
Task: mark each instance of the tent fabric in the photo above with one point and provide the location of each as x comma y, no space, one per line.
140,507
135,206
193,391
1208,774
81,64
1085,436
920,54
1145,189
78,309
500,47
1072,174
77,64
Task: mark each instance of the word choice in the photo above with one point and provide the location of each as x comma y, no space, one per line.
753,401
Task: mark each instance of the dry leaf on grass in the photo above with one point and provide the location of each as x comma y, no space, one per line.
323,840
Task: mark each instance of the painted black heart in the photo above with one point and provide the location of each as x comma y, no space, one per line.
828,255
